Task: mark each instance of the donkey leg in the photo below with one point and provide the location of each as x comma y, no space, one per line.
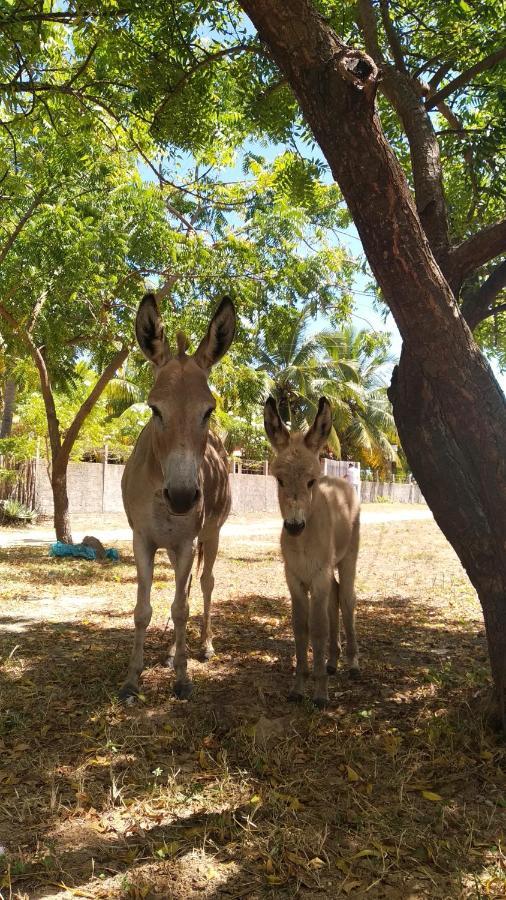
179,612
334,641
300,624
210,549
172,647
321,591
144,553
347,599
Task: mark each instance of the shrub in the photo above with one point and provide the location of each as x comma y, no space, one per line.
15,512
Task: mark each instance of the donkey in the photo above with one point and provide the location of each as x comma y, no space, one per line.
175,485
320,533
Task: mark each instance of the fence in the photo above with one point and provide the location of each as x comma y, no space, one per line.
18,481
96,487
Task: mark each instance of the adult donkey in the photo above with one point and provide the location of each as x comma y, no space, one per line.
175,485
321,524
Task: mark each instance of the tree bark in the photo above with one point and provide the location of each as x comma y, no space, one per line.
450,411
9,407
60,458
61,516
480,305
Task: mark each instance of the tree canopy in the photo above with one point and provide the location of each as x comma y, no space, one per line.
193,82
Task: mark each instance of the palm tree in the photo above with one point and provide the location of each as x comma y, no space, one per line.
129,387
292,367
347,366
356,362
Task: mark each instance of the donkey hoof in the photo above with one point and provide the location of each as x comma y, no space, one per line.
128,693
295,697
183,690
320,702
208,653
354,674
331,670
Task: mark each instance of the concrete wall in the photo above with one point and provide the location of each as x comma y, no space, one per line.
397,493
96,488
92,488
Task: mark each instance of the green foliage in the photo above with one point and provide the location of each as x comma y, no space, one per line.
7,476
244,435
14,512
347,366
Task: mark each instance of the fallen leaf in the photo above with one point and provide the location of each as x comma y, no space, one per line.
430,795
349,886
352,775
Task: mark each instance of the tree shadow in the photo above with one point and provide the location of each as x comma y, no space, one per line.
68,746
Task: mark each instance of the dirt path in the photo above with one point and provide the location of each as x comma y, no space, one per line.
111,529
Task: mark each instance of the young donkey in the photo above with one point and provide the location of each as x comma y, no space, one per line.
320,533
175,485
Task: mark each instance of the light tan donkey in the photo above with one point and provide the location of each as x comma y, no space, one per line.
320,533
175,486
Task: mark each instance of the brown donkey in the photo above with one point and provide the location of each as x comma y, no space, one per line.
320,533
175,486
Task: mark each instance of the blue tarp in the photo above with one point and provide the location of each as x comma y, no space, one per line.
80,550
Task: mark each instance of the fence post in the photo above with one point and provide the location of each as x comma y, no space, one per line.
36,476
104,474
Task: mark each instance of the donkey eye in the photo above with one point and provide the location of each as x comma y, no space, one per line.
207,415
280,482
156,412
310,483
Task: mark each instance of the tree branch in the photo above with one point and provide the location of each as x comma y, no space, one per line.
39,303
202,63
479,306
404,93
88,404
171,278
392,37
487,63
84,65
37,200
475,252
53,426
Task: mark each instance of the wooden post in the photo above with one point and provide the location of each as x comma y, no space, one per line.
104,474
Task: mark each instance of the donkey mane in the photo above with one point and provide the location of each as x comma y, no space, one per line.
182,344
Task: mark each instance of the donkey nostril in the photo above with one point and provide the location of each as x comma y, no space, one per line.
197,495
166,494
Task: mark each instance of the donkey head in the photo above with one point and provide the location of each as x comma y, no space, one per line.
180,399
296,465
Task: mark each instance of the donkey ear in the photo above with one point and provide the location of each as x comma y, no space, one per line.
277,432
321,427
149,331
219,336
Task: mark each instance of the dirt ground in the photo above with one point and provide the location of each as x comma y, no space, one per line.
396,791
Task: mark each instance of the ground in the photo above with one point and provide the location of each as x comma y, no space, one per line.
397,791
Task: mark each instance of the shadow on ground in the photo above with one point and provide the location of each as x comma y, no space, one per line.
395,790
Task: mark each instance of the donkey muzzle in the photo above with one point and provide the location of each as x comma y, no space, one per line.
181,501
294,528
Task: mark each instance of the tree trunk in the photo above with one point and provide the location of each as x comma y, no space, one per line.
450,411
451,446
9,407
61,505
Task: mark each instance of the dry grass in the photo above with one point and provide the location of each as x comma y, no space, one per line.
397,791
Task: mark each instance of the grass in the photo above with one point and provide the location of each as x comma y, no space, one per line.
397,791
